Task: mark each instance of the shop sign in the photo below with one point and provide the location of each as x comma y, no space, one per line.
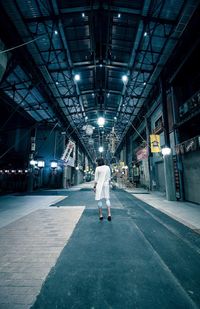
177,179
121,163
155,142
70,161
179,149
142,154
70,147
189,145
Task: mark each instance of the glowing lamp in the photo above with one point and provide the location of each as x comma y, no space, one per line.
166,151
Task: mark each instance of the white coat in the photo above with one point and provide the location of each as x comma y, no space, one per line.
102,178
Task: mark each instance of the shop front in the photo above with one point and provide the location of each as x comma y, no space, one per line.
190,153
141,168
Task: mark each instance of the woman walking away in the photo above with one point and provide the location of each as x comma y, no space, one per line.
101,186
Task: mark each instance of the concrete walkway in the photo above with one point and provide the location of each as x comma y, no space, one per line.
184,212
55,253
32,236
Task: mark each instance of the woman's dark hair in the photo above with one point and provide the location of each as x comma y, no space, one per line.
100,161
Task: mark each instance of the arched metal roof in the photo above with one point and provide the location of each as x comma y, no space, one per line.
101,41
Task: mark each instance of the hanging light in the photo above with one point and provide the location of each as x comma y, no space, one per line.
33,162
54,164
166,151
125,78
101,121
41,163
77,77
101,149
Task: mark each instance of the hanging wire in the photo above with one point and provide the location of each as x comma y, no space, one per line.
18,46
140,135
46,139
23,136
15,110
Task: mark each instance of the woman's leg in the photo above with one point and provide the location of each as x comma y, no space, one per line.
100,208
108,207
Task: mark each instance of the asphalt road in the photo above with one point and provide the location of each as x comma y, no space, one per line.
141,259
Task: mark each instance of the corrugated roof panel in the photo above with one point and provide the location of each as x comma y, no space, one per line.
74,3
77,32
35,115
30,8
134,4
171,9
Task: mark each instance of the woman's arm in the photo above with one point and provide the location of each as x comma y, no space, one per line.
95,179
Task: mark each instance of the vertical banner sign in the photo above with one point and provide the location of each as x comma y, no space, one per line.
155,142
70,149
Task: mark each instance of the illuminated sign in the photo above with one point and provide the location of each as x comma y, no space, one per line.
155,143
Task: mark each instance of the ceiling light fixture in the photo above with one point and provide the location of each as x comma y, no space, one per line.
125,78
101,149
101,121
77,77
145,33
119,15
83,14
56,32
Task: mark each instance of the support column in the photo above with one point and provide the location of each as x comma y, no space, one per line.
168,159
64,178
177,141
148,160
64,182
31,168
169,178
30,178
164,111
76,164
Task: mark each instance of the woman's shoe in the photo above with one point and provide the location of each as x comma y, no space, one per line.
101,218
109,218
